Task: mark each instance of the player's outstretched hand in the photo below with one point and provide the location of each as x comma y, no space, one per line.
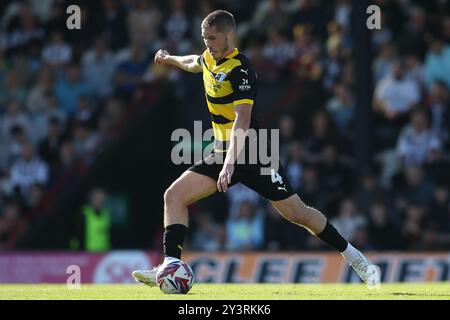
161,56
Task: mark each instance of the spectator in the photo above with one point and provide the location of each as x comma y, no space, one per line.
333,67
437,63
414,69
14,117
28,170
439,112
95,227
176,28
69,90
245,231
41,120
13,88
277,50
415,188
58,53
239,194
36,99
396,95
341,108
129,73
143,21
49,147
13,147
417,144
348,220
270,15
342,14
111,23
84,141
306,47
24,29
208,235
98,67
394,98
383,232
383,62
66,161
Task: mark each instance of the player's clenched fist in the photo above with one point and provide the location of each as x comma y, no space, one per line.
161,56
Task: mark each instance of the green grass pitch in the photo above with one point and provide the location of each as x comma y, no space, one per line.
403,291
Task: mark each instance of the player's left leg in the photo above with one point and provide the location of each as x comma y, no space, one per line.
296,211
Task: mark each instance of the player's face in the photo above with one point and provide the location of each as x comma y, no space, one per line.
216,42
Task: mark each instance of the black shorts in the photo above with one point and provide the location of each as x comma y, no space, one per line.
273,186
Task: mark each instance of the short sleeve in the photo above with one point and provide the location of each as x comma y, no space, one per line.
243,82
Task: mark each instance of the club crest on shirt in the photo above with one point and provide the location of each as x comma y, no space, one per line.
220,77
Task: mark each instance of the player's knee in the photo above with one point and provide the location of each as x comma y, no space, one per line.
294,215
172,196
298,217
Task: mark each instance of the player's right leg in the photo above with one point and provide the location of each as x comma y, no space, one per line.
188,188
277,189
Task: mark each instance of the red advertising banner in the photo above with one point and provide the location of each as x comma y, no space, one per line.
294,267
44,267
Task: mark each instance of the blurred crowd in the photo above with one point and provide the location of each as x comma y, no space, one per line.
64,95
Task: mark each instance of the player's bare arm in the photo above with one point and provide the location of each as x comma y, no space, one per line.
241,124
186,63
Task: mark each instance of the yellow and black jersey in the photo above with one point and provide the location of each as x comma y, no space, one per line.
228,82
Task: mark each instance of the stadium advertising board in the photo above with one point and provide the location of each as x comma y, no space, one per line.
116,267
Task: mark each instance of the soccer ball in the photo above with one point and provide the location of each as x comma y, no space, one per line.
175,277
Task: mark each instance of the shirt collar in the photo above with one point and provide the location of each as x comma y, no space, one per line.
234,53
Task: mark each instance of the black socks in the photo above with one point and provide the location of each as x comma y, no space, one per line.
174,240
333,238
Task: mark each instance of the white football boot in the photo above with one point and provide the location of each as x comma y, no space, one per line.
368,272
147,277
